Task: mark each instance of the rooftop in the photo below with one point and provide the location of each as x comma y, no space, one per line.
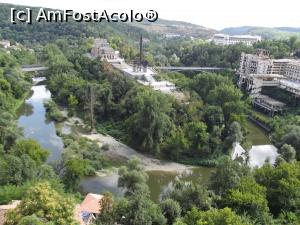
84,213
290,84
91,203
271,101
266,76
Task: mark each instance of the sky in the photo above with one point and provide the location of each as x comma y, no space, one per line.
216,14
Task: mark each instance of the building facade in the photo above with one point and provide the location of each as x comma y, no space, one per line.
259,70
223,39
261,63
102,49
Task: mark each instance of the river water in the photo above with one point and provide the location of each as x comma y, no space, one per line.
32,118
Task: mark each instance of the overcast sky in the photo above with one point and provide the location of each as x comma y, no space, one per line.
215,14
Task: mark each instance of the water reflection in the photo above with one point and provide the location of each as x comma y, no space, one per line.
34,122
158,181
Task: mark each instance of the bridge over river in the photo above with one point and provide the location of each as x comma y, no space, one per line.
36,68
185,68
33,68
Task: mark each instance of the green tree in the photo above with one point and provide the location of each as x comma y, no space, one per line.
235,133
292,137
32,220
288,152
176,144
213,217
227,175
46,204
150,124
197,135
107,206
283,186
72,103
205,82
171,210
136,208
249,198
189,195
133,178
74,170
32,149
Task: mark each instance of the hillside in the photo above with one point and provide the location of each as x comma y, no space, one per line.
184,29
42,32
265,32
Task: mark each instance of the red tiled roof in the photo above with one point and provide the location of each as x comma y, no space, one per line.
91,203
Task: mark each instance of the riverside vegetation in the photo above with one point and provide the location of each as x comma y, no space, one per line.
200,132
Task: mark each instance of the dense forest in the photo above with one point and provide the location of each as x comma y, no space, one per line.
198,129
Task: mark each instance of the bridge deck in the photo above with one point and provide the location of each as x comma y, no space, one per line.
178,68
33,69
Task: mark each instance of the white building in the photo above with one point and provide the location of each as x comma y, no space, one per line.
259,70
261,63
223,39
143,74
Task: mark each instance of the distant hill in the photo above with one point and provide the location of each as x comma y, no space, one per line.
43,32
171,27
265,32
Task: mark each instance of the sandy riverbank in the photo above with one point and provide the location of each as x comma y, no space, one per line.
119,150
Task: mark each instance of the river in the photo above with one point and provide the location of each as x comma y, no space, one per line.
32,118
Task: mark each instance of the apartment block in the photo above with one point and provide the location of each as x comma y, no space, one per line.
223,39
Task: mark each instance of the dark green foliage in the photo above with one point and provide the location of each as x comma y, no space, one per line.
24,162
189,195
150,124
209,54
53,112
74,170
283,186
81,148
288,152
32,149
133,178
249,198
136,208
227,176
171,210
213,217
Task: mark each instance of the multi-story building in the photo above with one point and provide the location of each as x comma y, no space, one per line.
259,70
292,70
102,49
261,63
255,64
223,39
